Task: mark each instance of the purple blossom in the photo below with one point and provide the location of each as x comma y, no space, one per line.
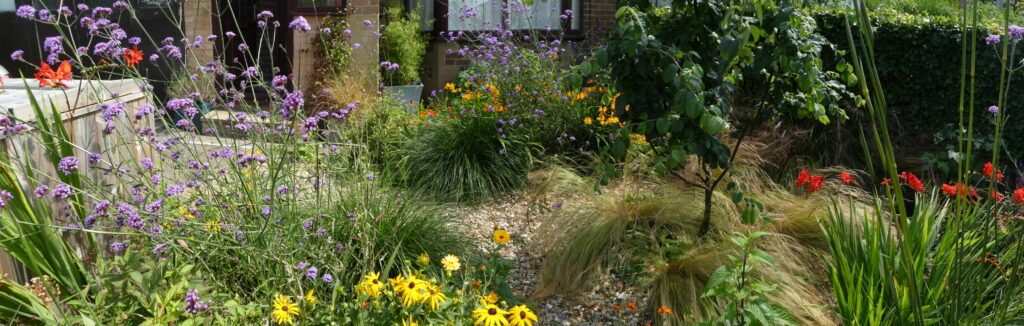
134,40
312,272
308,224
293,102
993,109
41,191
118,246
120,4
26,11
174,190
265,15
147,163
16,55
193,304
62,191
4,197
992,39
328,278
370,177
45,15
82,7
1016,33
300,24
68,165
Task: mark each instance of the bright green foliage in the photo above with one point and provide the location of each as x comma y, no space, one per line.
962,266
745,296
403,44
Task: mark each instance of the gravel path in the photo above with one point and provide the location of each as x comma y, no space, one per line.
522,216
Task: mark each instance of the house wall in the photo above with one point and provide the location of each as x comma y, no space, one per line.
197,20
440,67
365,58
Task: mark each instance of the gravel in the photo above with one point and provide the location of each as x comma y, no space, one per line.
521,216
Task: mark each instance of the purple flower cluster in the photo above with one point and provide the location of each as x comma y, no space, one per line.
300,24
26,11
62,191
193,304
68,165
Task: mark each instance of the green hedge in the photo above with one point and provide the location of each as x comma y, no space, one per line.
919,63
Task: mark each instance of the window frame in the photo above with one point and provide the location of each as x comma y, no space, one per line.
316,11
565,30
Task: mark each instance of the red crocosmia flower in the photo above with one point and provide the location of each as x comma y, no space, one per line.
1018,196
949,190
47,77
815,183
133,56
803,178
912,181
987,170
886,182
997,196
972,193
847,178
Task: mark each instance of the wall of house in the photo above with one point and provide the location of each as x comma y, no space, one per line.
441,67
365,58
197,20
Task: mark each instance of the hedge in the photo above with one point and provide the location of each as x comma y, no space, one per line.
919,65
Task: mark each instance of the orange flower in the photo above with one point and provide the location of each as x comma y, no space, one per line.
133,56
617,307
815,183
997,196
1018,196
886,182
949,190
428,112
912,181
847,178
665,310
48,77
803,178
631,305
990,172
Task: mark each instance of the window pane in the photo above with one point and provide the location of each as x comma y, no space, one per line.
425,8
542,14
467,15
319,3
576,14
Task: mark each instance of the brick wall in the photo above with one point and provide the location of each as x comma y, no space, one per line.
365,58
598,15
197,20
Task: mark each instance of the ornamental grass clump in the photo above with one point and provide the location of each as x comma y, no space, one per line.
648,232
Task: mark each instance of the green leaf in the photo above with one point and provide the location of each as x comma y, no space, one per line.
692,106
712,124
662,125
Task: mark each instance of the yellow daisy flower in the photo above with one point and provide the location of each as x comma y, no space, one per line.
435,297
413,291
214,225
451,263
310,297
285,310
490,315
370,285
521,316
500,236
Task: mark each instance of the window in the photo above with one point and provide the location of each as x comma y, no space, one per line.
320,3
469,15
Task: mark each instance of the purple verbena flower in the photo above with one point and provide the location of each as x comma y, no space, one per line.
68,165
26,11
300,24
62,191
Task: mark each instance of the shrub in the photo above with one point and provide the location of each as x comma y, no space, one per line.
402,44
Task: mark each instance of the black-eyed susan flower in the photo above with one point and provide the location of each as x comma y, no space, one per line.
451,263
500,236
521,316
490,315
285,310
311,297
213,225
435,297
413,290
370,285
